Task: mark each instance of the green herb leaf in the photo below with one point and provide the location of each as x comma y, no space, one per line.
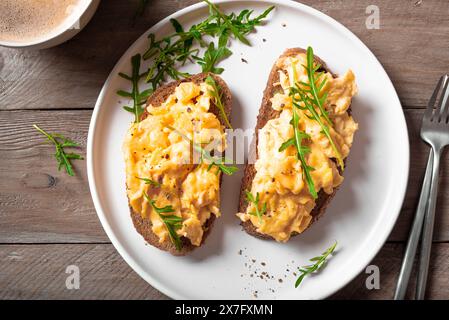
286,144
313,79
177,26
149,181
238,25
171,222
302,151
299,136
255,201
309,95
60,142
175,50
217,96
211,57
139,98
320,261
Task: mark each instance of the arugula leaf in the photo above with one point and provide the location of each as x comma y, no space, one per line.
211,57
217,96
238,25
214,161
309,95
320,262
176,49
313,79
255,201
61,156
139,98
309,106
302,151
149,181
171,222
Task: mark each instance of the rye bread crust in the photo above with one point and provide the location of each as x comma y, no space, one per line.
267,113
143,225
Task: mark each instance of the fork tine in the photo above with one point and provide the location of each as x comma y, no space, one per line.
431,104
442,106
445,105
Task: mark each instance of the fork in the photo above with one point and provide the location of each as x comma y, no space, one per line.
434,131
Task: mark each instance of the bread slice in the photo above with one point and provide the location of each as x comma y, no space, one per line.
267,113
143,225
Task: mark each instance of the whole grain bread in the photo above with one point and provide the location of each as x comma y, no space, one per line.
143,225
267,113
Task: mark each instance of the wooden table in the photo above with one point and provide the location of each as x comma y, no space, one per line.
47,219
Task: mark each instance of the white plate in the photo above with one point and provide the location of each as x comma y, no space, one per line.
360,217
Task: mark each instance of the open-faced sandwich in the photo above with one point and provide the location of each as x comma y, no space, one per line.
174,199
303,135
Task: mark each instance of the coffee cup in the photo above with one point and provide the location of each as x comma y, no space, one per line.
40,24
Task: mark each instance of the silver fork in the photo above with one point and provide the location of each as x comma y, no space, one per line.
434,131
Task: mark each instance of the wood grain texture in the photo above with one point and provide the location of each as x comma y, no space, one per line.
38,272
389,262
38,204
411,43
47,219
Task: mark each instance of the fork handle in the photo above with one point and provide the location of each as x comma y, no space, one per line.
429,221
413,240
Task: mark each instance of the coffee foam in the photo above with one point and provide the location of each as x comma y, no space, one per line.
28,20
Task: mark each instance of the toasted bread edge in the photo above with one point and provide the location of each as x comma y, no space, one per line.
143,225
267,113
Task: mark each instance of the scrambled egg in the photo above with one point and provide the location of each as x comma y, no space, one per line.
279,175
154,150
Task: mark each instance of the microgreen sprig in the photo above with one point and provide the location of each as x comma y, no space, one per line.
309,106
314,86
308,94
238,25
61,156
217,95
211,57
215,161
175,50
255,201
138,98
319,263
150,182
302,151
171,222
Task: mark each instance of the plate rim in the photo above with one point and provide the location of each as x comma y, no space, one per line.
400,191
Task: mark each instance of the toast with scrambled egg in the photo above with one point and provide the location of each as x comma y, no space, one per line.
278,198
174,201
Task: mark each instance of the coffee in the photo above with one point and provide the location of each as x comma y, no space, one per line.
28,20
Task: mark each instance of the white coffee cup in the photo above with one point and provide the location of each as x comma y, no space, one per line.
74,23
